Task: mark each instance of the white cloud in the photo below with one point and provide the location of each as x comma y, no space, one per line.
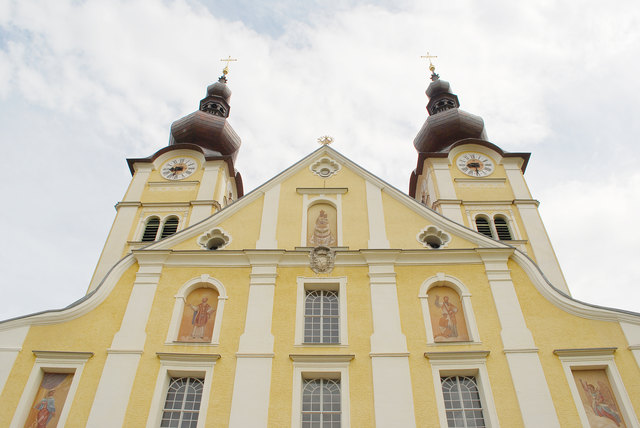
113,75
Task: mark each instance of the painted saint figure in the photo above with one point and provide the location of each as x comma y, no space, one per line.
322,235
447,324
599,404
201,314
46,410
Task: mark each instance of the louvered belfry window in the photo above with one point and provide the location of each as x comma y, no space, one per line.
151,229
482,224
170,227
502,228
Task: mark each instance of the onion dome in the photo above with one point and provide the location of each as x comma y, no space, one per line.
446,123
208,126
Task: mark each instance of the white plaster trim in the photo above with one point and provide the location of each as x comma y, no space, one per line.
321,190
181,366
597,359
463,364
338,284
251,390
216,232
269,221
375,215
204,281
11,341
163,214
392,392
51,362
441,279
433,230
316,370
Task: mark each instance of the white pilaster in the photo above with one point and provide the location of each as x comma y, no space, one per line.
252,381
392,392
534,397
116,382
632,333
375,212
10,345
516,179
138,182
269,220
540,243
203,205
451,209
117,239
443,180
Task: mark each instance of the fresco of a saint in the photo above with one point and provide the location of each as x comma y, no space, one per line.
447,318
598,399
48,402
198,316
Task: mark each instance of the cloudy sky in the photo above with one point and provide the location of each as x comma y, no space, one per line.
86,84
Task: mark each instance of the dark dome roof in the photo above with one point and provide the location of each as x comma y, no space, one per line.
446,123
441,130
219,89
208,131
208,126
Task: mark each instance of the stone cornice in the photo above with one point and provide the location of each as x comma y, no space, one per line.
182,357
321,190
456,355
325,358
63,355
584,352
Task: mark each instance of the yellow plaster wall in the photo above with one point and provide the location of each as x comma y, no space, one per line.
243,226
360,328
403,226
92,332
409,280
236,283
355,229
553,328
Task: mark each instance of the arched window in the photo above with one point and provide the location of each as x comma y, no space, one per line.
482,224
151,229
502,228
182,405
170,227
446,308
198,316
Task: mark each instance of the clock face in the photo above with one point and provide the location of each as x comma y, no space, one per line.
475,164
179,168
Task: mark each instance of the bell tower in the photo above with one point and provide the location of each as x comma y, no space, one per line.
180,184
467,178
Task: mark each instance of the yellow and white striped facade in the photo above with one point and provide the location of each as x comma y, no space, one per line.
526,334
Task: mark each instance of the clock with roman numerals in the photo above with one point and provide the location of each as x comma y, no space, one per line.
475,164
178,168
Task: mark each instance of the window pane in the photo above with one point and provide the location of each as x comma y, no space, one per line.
462,401
321,317
151,229
182,405
321,404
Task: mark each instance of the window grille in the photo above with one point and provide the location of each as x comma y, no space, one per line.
502,228
321,317
462,401
482,224
321,405
182,405
151,229
170,227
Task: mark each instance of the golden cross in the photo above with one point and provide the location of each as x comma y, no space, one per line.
225,70
325,140
431,66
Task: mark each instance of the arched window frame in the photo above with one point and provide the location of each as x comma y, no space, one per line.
164,225
507,222
308,202
163,220
203,281
443,280
489,223
513,230
146,226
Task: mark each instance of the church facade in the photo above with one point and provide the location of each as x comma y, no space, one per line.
325,298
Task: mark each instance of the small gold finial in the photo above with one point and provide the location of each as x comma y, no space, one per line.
325,140
432,67
225,70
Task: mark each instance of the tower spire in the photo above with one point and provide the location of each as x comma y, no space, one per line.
432,68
